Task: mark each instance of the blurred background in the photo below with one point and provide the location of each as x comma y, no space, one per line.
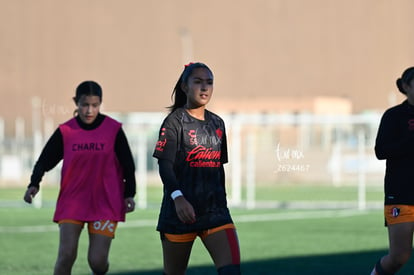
300,84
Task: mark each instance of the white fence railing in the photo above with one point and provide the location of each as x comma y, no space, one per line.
263,148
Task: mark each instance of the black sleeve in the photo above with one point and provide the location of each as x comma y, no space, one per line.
223,178
392,142
224,152
167,174
51,155
124,155
169,139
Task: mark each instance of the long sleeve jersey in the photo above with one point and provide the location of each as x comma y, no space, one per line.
53,153
191,155
395,144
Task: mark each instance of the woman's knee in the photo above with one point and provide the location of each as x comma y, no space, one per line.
66,258
400,258
98,263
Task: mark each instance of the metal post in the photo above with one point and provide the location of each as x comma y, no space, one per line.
37,141
251,170
236,161
361,171
142,170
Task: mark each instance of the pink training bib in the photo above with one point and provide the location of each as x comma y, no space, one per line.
92,185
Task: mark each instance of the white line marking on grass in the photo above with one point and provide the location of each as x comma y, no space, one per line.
138,223
296,215
28,229
301,215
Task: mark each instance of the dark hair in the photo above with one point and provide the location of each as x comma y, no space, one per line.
406,78
88,88
180,98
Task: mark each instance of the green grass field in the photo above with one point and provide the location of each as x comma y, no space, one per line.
273,241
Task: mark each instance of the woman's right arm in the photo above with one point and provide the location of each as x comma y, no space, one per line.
184,209
167,174
51,155
391,141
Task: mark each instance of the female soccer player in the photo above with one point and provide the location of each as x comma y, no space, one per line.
395,143
191,151
97,183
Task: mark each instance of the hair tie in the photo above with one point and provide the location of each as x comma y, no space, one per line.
189,64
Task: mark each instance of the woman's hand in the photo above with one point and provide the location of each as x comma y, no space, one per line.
129,204
185,210
30,194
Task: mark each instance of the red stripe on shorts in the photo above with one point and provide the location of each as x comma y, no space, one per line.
234,245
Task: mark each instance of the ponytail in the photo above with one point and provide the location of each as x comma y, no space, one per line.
400,86
406,78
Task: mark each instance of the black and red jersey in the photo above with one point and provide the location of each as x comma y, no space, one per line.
198,150
395,143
